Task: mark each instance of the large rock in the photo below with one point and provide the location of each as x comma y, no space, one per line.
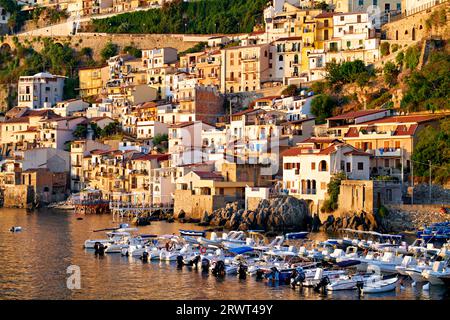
181,215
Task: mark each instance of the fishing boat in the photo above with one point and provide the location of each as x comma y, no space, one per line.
380,286
296,235
15,229
386,264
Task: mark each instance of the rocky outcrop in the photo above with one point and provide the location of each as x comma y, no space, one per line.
283,213
363,221
410,218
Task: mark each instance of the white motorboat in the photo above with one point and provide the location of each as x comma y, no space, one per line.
386,264
113,237
407,262
380,286
347,282
436,273
314,276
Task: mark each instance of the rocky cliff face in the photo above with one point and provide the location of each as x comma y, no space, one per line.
279,214
358,221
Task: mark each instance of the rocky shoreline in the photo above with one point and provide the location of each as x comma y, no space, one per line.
289,214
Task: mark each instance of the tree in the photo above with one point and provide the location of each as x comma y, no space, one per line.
384,49
80,132
96,131
322,107
290,90
132,50
333,190
159,138
390,73
346,72
110,50
111,129
411,58
433,145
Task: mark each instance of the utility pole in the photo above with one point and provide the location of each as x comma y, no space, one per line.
429,164
412,182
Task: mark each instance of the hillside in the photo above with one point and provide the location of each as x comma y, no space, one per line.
199,17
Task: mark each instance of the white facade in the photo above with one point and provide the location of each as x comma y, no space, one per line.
69,107
43,90
307,173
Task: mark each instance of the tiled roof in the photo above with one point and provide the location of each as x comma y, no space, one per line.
357,153
352,133
292,152
404,119
148,157
206,175
355,114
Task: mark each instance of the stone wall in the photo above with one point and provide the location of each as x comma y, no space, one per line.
18,196
411,28
195,205
96,41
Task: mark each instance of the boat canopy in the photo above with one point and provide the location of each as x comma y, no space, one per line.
241,250
373,233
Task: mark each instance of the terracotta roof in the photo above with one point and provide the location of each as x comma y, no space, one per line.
267,98
292,152
288,39
352,133
206,175
329,150
320,140
250,110
17,120
405,119
355,114
325,15
182,124
148,157
95,119
299,121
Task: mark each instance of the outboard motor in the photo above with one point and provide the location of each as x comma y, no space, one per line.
242,271
297,278
359,287
144,256
99,248
124,225
259,274
205,265
180,262
195,261
322,284
219,269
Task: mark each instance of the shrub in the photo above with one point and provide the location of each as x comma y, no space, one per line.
109,50
384,49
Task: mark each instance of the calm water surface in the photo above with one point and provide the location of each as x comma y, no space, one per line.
33,265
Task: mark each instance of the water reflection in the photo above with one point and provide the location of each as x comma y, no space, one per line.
33,265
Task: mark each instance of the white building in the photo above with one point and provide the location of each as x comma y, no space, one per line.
55,133
68,107
185,142
43,90
308,168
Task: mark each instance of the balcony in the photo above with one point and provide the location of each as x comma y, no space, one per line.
388,152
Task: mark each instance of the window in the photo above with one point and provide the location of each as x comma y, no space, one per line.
323,186
360,3
375,2
360,166
280,58
313,166
397,144
342,18
348,167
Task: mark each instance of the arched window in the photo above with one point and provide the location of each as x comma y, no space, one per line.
323,166
296,59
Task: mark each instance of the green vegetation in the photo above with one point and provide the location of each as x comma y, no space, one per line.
110,50
346,72
196,48
384,49
433,145
132,50
429,88
17,17
411,57
80,132
161,142
390,73
322,107
290,90
111,129
199,17
333,189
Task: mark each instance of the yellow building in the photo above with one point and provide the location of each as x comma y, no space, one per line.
324,29
92,80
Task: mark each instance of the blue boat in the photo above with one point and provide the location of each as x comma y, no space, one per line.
192,233
296,235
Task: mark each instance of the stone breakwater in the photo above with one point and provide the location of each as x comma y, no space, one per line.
283,213
362,221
